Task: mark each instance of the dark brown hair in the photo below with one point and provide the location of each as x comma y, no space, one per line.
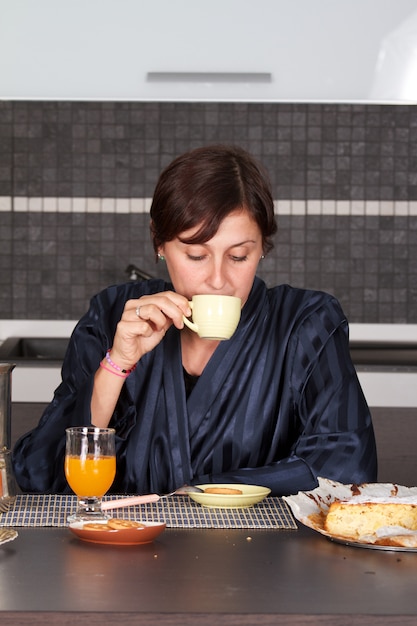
201,187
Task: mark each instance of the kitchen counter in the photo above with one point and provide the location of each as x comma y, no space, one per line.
35,382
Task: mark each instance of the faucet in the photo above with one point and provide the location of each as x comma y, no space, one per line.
135,273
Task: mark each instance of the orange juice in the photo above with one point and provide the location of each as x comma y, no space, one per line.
90,476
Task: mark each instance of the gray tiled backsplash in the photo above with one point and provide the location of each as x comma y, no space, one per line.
53,260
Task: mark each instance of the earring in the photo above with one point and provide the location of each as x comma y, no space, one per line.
161,257
263,256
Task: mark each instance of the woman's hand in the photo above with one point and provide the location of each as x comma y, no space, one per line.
142,326
144,323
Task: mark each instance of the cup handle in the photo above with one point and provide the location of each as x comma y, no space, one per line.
188,322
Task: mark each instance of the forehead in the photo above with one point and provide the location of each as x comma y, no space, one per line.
233,226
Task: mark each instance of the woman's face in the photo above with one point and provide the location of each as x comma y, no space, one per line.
226,264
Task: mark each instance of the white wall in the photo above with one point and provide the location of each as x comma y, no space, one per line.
294,50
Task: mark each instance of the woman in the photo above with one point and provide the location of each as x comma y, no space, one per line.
276,405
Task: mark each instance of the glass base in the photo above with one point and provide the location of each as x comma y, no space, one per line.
88,510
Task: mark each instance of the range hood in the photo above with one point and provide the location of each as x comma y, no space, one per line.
222,50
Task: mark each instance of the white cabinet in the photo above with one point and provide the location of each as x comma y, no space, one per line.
252,50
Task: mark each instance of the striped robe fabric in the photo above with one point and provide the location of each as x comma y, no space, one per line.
277,405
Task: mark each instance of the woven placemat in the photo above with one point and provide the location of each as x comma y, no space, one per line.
176,512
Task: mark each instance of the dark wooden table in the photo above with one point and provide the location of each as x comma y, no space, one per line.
204,578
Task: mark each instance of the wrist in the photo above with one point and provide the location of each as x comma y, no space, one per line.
115,367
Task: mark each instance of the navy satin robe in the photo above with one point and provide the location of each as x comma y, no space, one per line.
277,405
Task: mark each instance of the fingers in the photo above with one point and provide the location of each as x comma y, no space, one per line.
160,310
144,323
135,338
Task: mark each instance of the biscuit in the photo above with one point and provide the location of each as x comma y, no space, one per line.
223,491
123,524
95,526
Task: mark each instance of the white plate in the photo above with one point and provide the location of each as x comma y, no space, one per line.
370,546
310,508
251,494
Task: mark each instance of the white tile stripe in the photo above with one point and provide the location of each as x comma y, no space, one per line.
142,205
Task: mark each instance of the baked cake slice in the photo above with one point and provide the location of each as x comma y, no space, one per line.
361,516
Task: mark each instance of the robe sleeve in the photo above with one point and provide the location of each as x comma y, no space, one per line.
38,456
335,435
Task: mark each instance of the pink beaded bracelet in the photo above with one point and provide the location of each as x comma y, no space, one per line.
116,367
112,371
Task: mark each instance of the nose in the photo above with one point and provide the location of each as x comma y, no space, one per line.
217,277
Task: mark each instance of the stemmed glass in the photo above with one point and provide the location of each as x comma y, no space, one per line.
90,468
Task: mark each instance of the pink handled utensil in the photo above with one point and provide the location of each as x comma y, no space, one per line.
150,497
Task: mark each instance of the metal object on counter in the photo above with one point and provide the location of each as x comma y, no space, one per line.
7,479
5,404
135,273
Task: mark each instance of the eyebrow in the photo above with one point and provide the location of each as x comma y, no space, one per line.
242,243
234,245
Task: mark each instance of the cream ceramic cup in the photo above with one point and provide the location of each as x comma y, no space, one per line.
214,316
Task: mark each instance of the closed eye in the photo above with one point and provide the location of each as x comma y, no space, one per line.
233,257
239,259
196,258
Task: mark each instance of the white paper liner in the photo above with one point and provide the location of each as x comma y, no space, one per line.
7,534
311,507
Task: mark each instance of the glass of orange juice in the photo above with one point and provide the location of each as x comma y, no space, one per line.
90,468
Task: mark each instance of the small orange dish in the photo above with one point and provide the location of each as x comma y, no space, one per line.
146,533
